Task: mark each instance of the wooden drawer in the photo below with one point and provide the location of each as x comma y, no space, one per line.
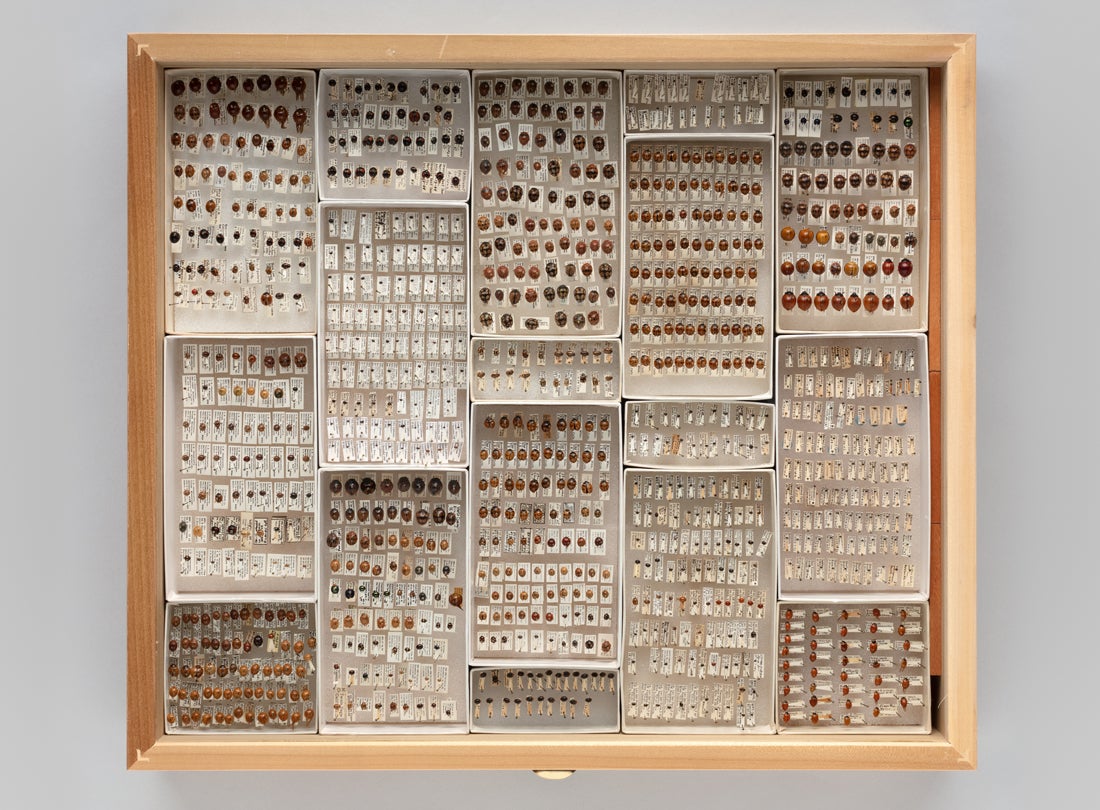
951,338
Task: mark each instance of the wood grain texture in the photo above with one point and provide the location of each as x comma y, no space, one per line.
951,746
935,600
935,197
145,592
551,51
556,752
959,339
935,433
935,561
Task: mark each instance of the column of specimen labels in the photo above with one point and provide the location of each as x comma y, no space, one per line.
853,201
700,102
698,315
522,699
858,666
853,466
545,551
699,601
519,698
240,667
242,201
240,248
542,369
547,203
393,629
394,135
699,433
394,335
239,509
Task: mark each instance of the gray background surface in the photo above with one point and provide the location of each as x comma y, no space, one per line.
63,487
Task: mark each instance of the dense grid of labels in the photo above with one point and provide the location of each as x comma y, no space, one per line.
553,557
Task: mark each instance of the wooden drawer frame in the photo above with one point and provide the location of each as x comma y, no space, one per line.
952,744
